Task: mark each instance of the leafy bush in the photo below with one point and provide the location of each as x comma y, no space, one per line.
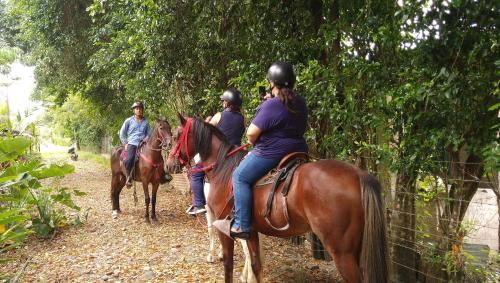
7,56
25,205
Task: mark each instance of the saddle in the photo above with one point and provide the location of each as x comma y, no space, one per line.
123,155
282,173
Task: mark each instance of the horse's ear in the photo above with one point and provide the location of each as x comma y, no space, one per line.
182,120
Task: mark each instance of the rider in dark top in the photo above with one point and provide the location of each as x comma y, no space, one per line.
276,130
232,124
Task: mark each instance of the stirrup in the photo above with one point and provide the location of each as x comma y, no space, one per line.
239,234
224,226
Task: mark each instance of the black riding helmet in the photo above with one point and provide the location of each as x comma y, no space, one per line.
281,74
137,104
232,96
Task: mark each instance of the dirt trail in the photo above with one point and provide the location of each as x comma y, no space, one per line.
128,250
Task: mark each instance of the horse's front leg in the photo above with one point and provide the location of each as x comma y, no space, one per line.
153,201
211,229
227,256
253,254
146,200
211,235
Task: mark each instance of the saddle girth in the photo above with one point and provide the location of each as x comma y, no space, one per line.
285,173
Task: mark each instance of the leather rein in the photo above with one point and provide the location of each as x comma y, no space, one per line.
163,146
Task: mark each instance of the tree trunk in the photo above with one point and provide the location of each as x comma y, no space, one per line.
403,229
462,182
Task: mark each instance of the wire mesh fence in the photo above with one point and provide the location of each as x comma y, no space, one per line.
428,229
465,243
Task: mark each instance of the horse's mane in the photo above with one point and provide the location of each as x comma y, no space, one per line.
225,165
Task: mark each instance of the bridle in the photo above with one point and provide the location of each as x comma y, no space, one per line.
164,142
183,141
164,146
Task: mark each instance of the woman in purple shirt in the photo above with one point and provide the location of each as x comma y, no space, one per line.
231,122
276,130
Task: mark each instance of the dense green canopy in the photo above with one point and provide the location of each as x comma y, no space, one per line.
408,89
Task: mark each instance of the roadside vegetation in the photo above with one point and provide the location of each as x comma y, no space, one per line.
408,91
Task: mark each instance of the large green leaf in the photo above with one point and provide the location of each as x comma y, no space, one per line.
64,197
53,171
41,228
11,216
12,148
20,178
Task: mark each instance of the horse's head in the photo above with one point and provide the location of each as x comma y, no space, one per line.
183,146
162,134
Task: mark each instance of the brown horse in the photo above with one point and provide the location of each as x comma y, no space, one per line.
340,203
148,169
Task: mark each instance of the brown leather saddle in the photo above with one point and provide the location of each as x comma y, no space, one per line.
282,173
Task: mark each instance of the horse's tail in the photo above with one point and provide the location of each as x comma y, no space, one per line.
374,253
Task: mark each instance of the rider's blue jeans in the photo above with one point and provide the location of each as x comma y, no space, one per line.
197,180
248,172
129,160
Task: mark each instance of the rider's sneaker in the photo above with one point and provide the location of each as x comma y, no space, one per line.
224,225
129,181
193,210
237,233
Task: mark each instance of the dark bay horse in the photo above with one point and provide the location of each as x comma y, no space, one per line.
148,169
340,203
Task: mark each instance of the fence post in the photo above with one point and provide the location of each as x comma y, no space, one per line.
297,240
318,251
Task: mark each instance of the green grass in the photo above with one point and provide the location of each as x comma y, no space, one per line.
55,157
100,159
63,156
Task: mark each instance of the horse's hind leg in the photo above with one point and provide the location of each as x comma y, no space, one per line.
146,200
117,184
347,265
345,252
153,202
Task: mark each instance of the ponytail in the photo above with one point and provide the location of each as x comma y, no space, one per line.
287,97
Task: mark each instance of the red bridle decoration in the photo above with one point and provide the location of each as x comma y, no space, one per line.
183,140
157,166
211,166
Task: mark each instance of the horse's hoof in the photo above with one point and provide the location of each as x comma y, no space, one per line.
114,214
210,258
146,220
155,220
